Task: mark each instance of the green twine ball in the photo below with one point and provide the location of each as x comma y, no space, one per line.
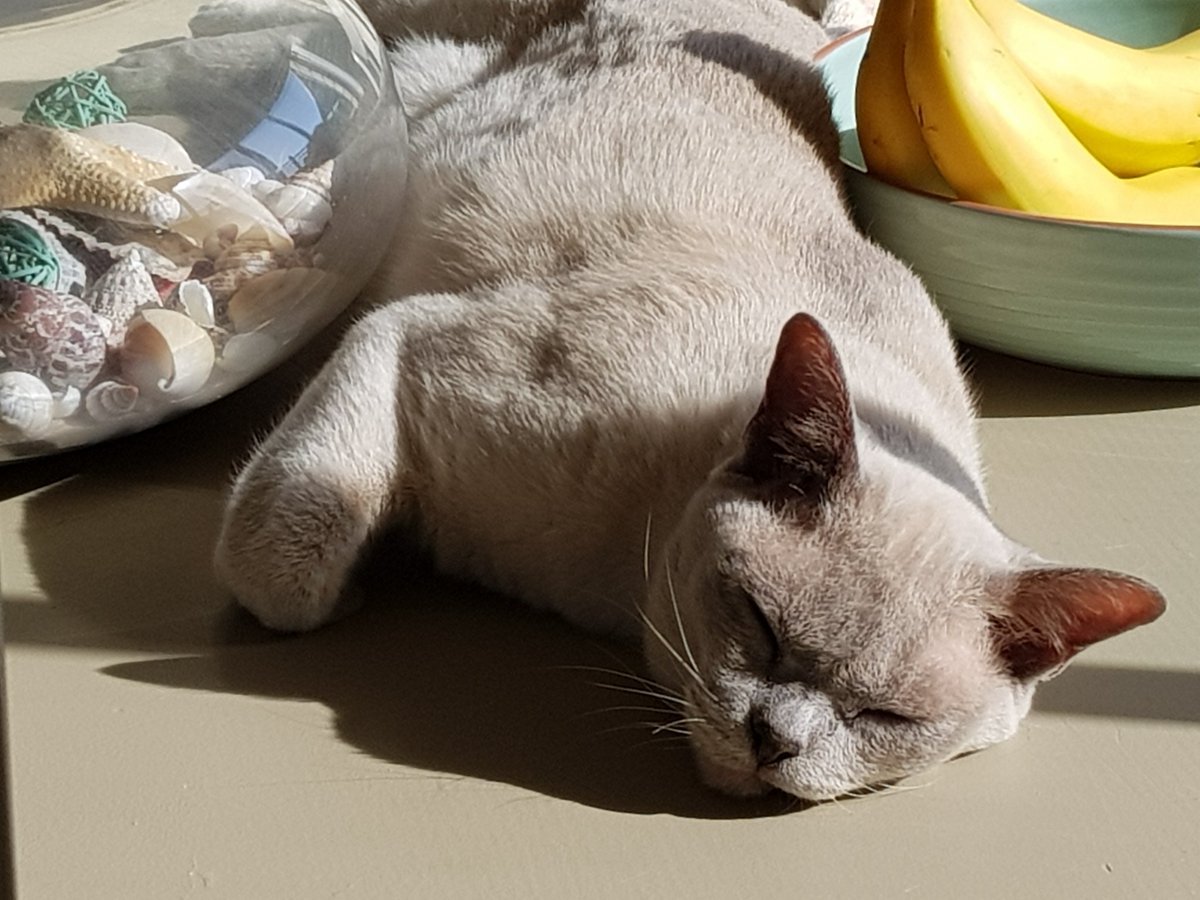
25,255
81,99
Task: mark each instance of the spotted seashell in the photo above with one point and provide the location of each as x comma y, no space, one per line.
238,264
26,406
166,354
120,292
107,400
303,204
54,336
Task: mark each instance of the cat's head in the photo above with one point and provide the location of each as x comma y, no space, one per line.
834,617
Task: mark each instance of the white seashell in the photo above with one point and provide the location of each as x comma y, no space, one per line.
120,292
166,354
66,402
147,142
210,202
265,188
273,299
108,400
245,353
303,204
26,406
197,301
245,177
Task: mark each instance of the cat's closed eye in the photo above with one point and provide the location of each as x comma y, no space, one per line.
762,623
876,715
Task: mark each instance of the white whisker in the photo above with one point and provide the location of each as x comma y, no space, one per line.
675,725
669,698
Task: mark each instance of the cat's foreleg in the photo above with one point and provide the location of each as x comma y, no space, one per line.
313,493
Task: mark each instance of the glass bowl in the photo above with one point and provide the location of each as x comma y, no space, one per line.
188,192
1110,298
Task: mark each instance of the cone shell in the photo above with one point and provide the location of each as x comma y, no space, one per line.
120,292
166,354
54,336
107,400
210,202
26,406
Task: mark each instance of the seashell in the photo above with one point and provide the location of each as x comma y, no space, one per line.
120,292
209,202
66,401
52,167
245,177
54,336
71,275
143,140
269,297
237,265
26,406
107,400
196,301
164,254
220,241
303,204
166,354
245,353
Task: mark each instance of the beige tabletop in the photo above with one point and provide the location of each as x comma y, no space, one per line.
444,743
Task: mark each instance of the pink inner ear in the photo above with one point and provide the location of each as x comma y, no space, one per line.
1054,613
803,432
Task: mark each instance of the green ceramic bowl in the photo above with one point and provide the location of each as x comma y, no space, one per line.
1102,297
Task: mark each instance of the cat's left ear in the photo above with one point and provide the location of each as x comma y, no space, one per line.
1048,615
801,439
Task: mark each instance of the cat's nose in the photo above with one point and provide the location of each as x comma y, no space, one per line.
770,747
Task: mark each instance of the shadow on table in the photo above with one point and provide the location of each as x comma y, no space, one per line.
450,679
1011,387
1118,693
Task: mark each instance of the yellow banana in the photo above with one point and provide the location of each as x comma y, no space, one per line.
1136,111
888,133
997,140
1188,45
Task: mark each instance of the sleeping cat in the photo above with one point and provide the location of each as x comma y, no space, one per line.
632,362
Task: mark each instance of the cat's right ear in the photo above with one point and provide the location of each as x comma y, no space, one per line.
801,439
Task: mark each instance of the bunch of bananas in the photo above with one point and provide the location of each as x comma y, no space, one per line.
993,102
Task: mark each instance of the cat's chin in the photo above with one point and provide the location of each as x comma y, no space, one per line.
731,780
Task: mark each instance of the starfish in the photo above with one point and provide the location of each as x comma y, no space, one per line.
59,169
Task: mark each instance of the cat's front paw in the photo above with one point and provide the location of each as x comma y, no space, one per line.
288,545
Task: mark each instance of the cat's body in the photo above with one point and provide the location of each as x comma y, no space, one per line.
614,208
